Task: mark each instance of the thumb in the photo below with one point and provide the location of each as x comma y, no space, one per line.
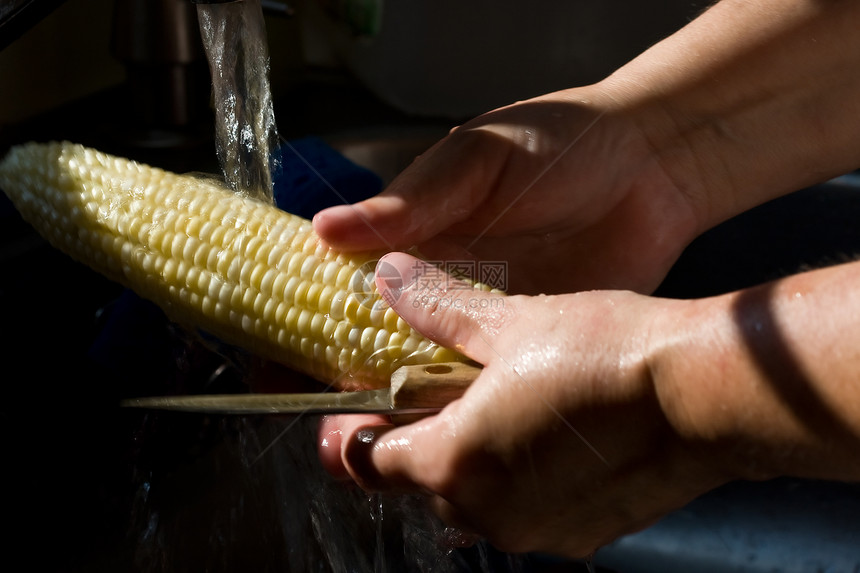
449,311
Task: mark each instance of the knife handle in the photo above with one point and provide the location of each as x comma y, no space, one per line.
431,386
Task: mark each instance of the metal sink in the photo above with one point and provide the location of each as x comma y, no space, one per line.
783,526
77,463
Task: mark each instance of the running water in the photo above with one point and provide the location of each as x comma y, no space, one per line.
249,493
234,37
205,501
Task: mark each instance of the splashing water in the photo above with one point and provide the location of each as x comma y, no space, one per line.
216,505
249,493
234,38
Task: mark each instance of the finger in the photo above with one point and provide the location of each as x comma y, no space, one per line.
333,434
456,520
376,223
357,456
448,311
400,459
438,190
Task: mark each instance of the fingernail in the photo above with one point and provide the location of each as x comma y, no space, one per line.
391,287
357,455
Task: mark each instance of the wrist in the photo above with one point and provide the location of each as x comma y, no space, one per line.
750,101
711,403
749,378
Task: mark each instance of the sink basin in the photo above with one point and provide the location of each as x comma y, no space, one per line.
784,526
81,467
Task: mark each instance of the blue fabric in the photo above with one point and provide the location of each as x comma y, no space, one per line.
314,176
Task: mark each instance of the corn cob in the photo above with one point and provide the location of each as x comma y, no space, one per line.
247,272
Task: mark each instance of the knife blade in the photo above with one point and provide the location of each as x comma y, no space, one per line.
415,389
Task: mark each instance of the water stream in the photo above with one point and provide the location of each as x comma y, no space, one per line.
205,502
230,493
234,38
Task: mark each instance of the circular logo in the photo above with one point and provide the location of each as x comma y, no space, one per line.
362,283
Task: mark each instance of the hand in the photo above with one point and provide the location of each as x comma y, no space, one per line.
560,445
564,188
603,186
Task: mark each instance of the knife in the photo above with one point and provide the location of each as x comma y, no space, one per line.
416,389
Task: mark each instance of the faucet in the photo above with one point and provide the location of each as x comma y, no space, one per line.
274,7
163,105
160,44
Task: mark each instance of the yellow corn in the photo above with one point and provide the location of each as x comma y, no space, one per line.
245,271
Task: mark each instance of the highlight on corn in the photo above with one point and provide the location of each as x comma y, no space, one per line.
247,272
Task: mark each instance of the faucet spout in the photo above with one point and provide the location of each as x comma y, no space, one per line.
273,7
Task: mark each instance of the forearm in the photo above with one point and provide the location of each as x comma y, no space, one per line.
769,378
752,100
